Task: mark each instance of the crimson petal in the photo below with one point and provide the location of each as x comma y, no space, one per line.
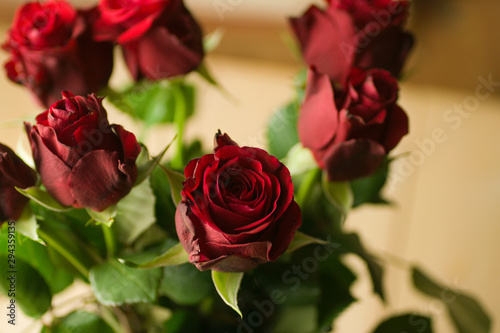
97,181
353,159
318,118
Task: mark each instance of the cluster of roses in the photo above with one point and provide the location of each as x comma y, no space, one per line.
237,207
54,47
356,50
85,162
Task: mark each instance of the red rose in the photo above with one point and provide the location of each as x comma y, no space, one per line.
159,38
83,161
237,208
350,131
350,33
13,173
51,50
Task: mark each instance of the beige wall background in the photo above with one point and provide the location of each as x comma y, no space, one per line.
447,212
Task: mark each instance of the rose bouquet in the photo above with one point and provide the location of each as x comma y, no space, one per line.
233,239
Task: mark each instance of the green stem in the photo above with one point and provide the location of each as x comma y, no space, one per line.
64,252
179,121
306,186
109,240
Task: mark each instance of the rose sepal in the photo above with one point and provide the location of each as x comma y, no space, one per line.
227,285
175,179
27,225
43,198
176,255
146,164
106,217
301,239
339,194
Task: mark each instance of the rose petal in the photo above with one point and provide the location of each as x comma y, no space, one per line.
353,159
98,180
68,155
148,55
318,117
222,140
327,40
131,148
396,128
284,230
388,50
234,257
53,172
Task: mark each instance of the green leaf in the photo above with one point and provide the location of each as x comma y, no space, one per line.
116,284
339,194
336,281
351,243
282,130
185,284
368,189
212,40
182,321
21,282
227,285
176,179
43,198
81,322
467,314
27,225
136,213
106,217
36,255
146,165
282,286
408,323
176,255
153,102
68,245
299,160
300,239
297,319
165,207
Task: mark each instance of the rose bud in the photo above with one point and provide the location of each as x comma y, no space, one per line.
351,131
237,208
13,173
83,161
352,33
51,50
159,38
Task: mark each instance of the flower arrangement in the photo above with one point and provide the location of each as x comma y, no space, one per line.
236,239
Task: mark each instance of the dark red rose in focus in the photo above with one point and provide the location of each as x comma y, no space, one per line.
351,131
159,38
13,173
354,33
51,49
237,208
83,161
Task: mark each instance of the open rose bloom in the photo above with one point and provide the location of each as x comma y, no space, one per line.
350,131
354,33
237,208
159,38
52,49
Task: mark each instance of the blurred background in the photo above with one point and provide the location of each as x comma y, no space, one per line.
446,216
